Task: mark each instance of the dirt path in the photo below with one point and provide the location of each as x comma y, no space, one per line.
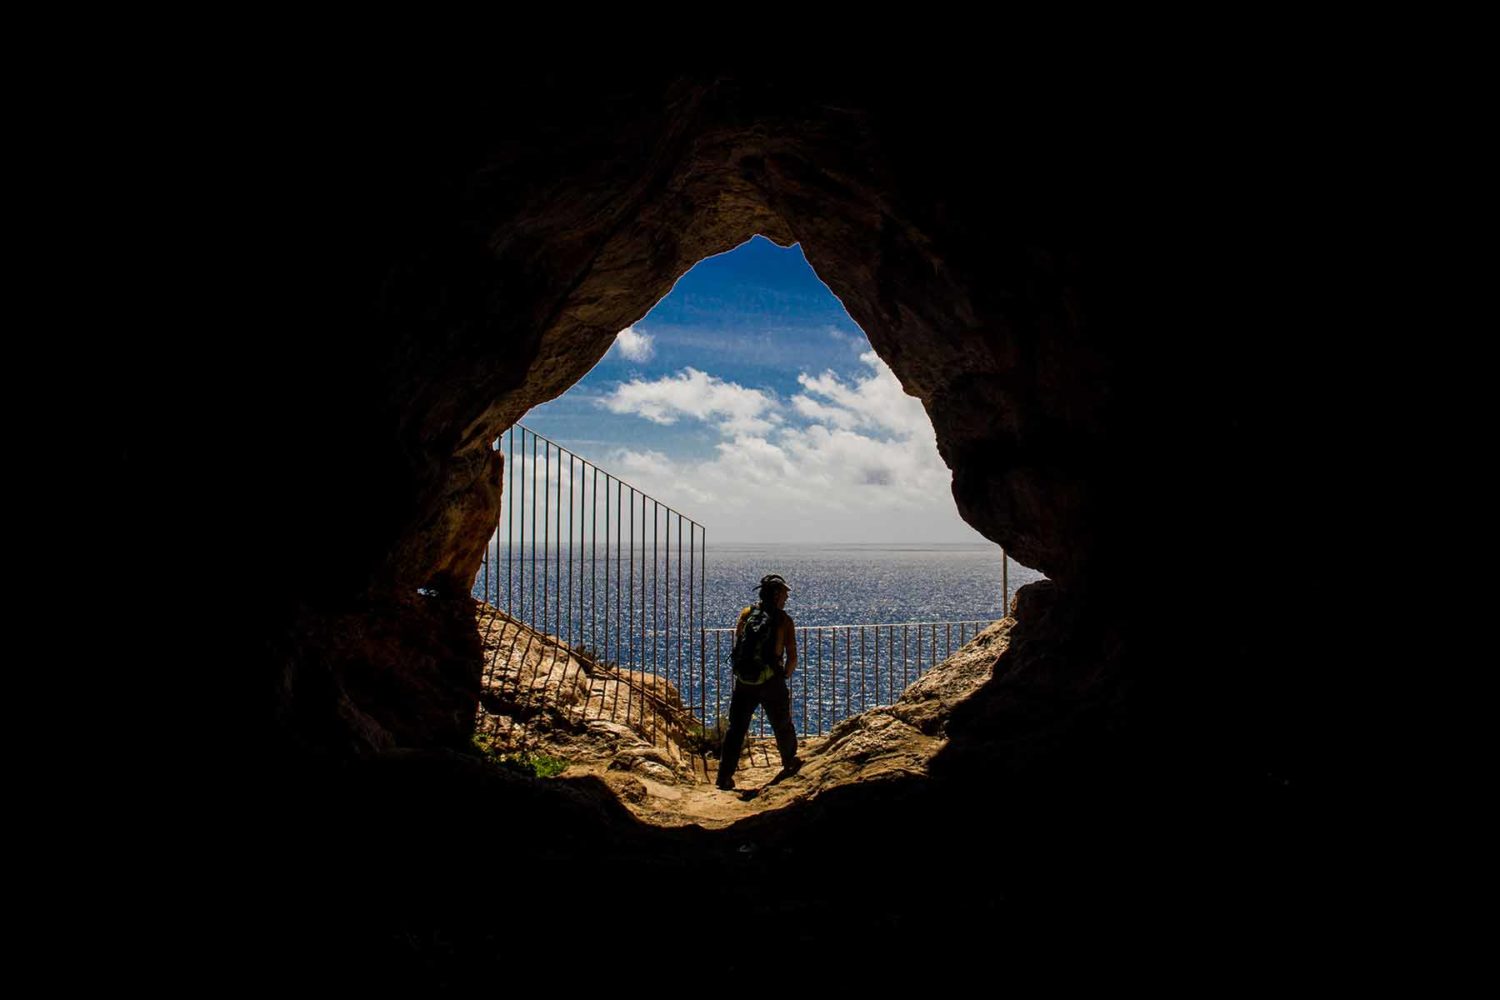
700,802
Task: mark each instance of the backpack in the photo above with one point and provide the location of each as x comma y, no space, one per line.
754,652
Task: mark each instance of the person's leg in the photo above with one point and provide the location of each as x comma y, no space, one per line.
741,707
778,701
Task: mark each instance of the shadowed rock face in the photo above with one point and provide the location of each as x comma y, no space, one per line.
483,250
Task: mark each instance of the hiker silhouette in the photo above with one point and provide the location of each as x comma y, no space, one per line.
760,679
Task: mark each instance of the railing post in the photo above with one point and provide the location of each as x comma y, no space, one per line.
571,456
683,690
533,616
801,645
703,613
864,700
905,655
594,567
849,670
833,692
820,681
1004,584
508,498
557,572
630,619
666,626
653,602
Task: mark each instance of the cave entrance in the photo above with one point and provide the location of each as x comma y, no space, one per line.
746,405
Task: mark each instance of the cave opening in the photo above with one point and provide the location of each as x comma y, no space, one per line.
749,397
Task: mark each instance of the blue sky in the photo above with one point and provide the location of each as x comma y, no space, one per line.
748,399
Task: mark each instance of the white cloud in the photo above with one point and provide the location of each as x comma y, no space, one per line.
818,412
668,480
876,402
856,458
649,463
851,458
635,345
807,484
699,396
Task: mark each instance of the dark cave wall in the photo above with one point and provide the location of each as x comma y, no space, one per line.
1041,274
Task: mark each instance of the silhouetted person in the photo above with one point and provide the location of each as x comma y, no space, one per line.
770,688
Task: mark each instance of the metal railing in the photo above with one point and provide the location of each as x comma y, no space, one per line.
598,570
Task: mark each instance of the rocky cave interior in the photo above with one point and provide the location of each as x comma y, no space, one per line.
1065,297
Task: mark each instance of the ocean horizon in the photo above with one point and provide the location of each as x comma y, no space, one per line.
836,583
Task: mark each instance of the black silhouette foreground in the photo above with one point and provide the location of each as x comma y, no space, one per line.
764,657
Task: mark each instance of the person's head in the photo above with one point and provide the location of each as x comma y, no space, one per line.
773,590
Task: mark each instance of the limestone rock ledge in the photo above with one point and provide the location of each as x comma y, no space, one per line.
898,740
540,693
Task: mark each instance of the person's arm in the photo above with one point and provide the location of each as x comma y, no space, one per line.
791,647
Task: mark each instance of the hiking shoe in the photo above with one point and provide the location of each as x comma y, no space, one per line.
726,784
790,769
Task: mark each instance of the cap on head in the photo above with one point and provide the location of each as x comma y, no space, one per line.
772,582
